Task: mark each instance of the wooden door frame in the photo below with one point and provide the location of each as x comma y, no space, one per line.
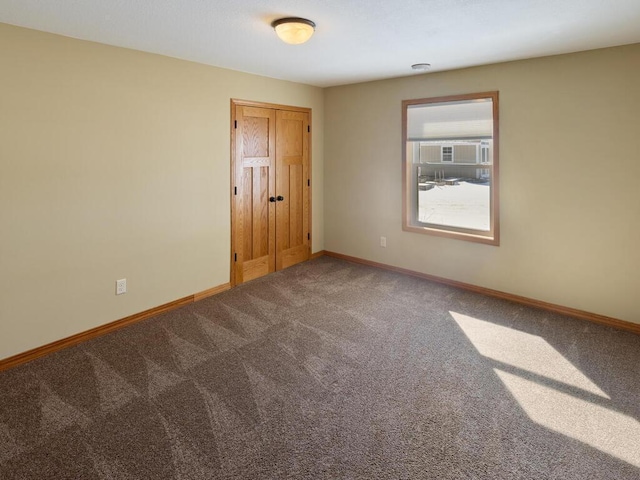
248,103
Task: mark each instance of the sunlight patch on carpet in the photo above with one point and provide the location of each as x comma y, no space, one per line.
552,391
579,419
523,351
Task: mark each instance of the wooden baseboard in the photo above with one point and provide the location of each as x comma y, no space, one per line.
316,255
550,307
38,352
210,292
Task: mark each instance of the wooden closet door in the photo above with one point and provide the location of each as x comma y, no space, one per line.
292,188
254,219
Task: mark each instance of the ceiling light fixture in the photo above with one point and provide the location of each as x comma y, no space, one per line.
421,67
294,30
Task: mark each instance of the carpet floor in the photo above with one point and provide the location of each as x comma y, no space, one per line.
331,370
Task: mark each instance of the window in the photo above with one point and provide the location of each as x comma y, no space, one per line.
445,141
447,154
484,158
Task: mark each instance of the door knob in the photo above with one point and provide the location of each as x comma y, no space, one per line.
280,198
272,199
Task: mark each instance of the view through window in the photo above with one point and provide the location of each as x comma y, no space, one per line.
451,165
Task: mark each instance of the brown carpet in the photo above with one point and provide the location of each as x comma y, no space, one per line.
330,370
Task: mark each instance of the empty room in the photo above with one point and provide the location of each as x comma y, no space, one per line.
319,240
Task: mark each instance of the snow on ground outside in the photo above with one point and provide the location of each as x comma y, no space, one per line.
464,205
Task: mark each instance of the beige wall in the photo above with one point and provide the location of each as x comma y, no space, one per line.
115,164
569,167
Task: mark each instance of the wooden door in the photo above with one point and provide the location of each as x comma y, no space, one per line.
254,216
292,187
271,187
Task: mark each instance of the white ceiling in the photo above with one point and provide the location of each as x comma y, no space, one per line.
355,40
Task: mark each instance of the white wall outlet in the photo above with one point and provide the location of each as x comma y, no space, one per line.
383,241
121,286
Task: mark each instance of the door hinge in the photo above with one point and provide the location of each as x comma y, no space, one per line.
309,128
308,236
308,182
235,124
235,257
235,190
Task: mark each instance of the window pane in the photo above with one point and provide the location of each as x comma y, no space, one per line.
461,201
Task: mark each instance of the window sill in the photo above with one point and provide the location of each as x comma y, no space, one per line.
457,234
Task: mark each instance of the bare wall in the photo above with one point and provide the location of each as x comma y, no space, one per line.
115,164
569,168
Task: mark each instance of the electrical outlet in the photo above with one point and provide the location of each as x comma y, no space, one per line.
383,241
121,286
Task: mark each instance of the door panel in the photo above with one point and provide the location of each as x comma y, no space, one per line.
292,163
294,255
254,222
260,212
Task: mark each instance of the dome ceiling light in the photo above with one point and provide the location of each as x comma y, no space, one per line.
421,67
294,30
